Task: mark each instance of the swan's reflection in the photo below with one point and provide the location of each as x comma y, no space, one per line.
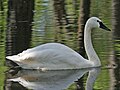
54,80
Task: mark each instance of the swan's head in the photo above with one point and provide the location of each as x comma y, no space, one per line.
95,22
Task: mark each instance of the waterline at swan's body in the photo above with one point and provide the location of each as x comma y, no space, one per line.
54,56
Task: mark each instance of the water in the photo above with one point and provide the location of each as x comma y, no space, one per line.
25,24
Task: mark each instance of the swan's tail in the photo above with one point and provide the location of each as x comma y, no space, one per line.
19,79
14,80
13,58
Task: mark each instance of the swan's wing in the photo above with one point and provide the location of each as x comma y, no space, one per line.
41,50
48,58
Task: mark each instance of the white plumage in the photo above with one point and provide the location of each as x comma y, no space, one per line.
54,56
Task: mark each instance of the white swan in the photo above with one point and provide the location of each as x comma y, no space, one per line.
55,56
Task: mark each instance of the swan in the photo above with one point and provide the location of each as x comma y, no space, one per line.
56,56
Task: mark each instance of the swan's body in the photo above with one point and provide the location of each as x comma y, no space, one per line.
54,56
50,56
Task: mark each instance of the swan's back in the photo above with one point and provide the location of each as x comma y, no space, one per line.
50,56
55,46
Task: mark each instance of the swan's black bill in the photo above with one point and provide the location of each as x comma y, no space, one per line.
103,26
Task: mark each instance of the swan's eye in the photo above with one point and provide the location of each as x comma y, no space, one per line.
98,21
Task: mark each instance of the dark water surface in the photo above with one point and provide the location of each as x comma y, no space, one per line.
28,23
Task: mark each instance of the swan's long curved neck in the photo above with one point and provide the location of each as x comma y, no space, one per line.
92,56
